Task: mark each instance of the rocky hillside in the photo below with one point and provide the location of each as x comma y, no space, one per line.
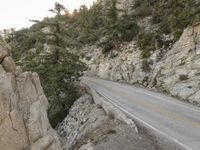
23,118
176,73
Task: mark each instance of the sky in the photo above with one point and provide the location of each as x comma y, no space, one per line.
16,13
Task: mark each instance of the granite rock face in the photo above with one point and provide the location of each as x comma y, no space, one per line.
23,118
177,72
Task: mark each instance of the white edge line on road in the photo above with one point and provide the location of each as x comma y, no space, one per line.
147,124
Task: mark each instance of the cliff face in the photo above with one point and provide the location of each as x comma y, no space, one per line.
179,69
23,118
177,72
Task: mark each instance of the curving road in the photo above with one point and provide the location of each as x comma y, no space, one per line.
172,118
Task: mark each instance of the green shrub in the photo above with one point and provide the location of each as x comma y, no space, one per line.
171,16
177,34
137,3
145,54
145,40
107,47
108,44
127,28
156,18
164,27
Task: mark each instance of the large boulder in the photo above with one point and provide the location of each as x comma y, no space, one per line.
24,123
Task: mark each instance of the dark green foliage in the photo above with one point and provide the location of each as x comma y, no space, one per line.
139,3
111,11
94,23
145,41
145,54
127,28
107,46
171,16
58,69
164,27
156,18
124,30
177,34
59,72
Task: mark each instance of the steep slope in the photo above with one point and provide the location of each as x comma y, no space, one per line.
23,117
177,73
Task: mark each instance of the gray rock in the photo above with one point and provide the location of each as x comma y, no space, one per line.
9,64
23,105
3,53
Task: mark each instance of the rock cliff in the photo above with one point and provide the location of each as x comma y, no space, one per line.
176,72
23,118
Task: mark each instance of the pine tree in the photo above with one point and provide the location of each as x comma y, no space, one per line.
59,69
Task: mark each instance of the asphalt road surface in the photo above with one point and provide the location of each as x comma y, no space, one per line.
172,118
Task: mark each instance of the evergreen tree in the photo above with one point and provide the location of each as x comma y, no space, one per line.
59,69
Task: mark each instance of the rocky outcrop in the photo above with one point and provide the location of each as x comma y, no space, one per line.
23,118
177,72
